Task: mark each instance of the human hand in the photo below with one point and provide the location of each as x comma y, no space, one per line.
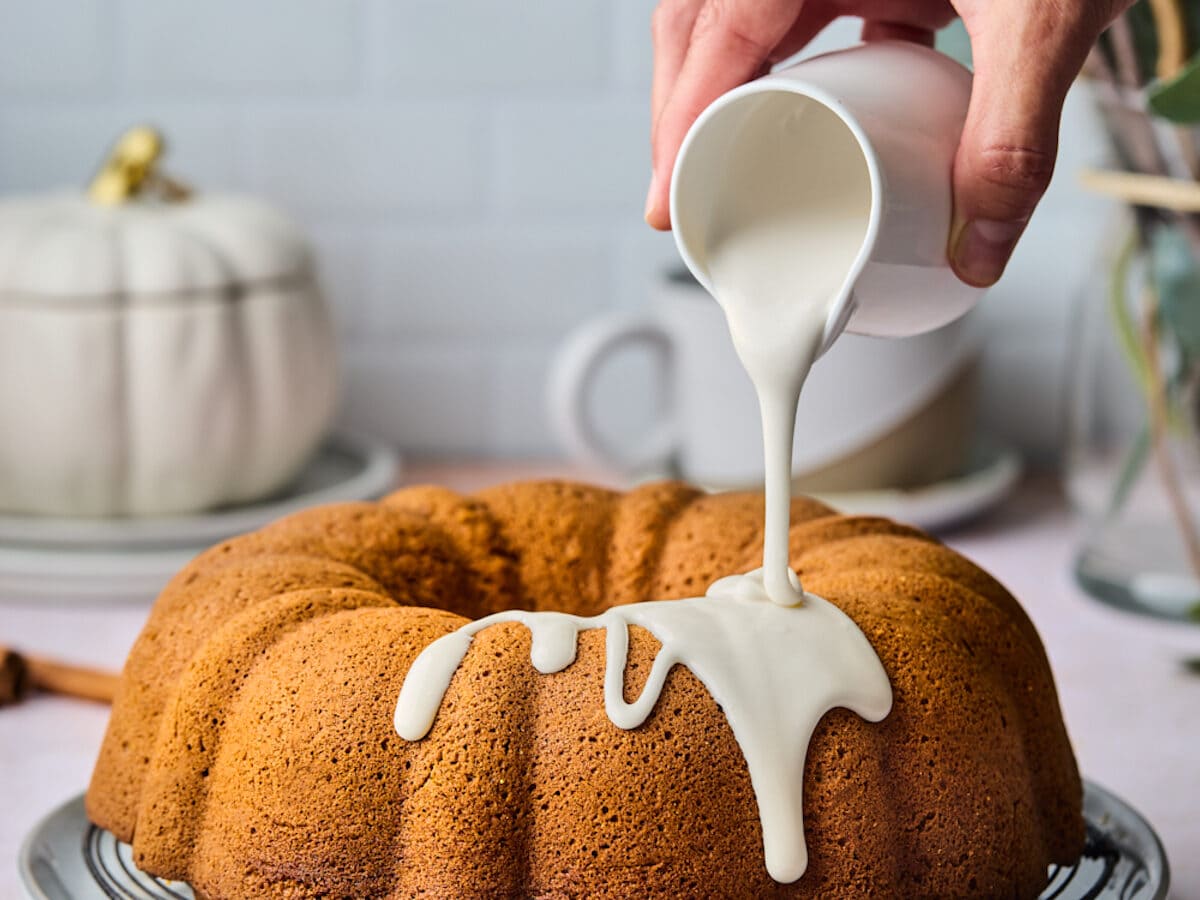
1026,54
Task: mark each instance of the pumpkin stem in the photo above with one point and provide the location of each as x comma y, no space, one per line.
131,169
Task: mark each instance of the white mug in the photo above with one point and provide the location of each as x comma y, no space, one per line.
861,390
905,106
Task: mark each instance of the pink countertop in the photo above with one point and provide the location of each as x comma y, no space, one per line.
1132,709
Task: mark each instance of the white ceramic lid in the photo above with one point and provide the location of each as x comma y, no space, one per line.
62,246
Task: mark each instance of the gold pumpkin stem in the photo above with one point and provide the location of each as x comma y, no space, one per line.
131,169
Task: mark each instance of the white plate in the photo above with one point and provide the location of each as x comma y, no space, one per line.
82,577
989,477
345,467
94,561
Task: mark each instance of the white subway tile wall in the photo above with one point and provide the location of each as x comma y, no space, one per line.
56,48
490,48
472,175
417,160
231,47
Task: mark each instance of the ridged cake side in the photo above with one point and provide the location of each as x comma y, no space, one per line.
251,750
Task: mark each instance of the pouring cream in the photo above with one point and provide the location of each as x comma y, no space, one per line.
781,244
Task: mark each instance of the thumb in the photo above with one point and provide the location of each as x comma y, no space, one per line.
1006,156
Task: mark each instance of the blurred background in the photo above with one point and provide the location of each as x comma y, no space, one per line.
472,176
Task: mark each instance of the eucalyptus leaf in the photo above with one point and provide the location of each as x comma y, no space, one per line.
1178,99
1177,282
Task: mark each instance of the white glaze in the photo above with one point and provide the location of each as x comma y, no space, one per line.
816,659
781,245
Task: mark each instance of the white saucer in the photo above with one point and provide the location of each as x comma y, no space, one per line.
990,475
61,560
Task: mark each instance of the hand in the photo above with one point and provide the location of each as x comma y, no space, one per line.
1026,54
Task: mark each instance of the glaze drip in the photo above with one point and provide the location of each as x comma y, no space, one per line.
818,659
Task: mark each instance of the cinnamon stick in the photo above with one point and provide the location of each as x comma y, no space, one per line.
21,674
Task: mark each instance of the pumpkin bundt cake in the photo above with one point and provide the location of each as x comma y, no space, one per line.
252,750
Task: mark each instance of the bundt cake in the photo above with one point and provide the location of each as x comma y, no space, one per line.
252,749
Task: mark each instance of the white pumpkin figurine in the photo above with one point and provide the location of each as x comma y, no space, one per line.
160,353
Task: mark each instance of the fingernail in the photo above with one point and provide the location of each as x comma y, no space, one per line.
651,197
983,248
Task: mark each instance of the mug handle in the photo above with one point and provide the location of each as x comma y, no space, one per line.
572,372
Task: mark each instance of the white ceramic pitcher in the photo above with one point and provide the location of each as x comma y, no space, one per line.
905,105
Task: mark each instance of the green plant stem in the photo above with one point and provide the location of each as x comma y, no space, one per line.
1118,306
1131,467
1156,399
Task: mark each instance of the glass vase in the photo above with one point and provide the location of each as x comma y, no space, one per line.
1132,465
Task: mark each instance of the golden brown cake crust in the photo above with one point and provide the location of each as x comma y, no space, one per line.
251,750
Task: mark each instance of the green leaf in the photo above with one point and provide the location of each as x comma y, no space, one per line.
1177,282
1179,98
